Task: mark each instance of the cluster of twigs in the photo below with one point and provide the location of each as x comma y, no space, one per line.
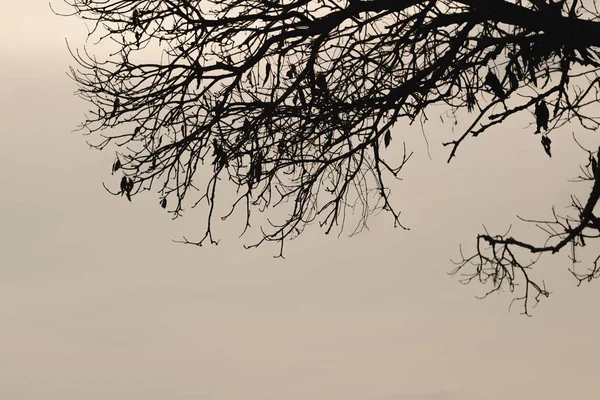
496,258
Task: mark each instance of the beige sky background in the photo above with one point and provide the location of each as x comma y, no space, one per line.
97,302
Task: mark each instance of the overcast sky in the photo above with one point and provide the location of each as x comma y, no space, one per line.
97,302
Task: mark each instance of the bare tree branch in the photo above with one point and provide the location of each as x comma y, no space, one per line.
294,103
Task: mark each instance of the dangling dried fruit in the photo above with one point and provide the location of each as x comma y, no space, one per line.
387,138
281,147
301,97
531,69
197,73
219,155
124,185
321,82
546,142
116,104
471,101
542,115
129,188
163,202
328,141
291,72
512,79
492,81
518,69
257,170
135,18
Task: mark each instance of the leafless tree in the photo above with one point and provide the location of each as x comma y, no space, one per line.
293,102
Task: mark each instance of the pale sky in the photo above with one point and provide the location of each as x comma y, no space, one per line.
97,302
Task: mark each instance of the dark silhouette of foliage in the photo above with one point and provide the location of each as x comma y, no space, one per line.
289,101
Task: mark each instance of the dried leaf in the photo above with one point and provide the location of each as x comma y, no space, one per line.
494,83
267,73
116,166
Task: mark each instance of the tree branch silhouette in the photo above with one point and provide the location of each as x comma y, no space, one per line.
294,102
